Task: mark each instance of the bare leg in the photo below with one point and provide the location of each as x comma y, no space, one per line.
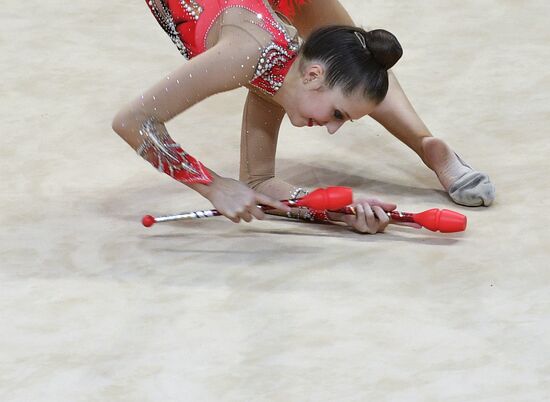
318,13
397,115
464,185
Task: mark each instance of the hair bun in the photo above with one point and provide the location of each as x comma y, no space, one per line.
384,46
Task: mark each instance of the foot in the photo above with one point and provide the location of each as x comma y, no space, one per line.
464,185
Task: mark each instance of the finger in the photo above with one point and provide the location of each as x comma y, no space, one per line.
257,213
230,215
242,213
234,219
383,219
246,216
386,206
360,222
370,218
265,200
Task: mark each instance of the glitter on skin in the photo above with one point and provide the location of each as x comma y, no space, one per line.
281,53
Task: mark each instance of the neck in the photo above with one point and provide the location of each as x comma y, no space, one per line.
286,95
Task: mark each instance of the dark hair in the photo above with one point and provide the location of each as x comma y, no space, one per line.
354,58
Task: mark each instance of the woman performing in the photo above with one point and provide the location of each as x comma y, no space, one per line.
339,73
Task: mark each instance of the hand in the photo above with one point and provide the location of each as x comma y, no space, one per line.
370,215
236,201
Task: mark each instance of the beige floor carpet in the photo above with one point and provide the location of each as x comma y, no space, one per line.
94,307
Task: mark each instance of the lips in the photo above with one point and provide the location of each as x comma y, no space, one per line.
310,123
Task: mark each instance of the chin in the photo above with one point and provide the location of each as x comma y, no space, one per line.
303,122
295,123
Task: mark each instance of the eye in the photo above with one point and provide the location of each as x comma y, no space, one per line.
338,115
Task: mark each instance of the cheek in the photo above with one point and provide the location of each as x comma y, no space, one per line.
306,109
311,107
298,108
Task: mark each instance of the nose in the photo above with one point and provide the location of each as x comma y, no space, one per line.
333,126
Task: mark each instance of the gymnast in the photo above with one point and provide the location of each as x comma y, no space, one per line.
339,73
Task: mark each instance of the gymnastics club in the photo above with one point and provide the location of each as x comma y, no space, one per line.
336,199
331,198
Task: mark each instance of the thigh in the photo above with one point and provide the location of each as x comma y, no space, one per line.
318,13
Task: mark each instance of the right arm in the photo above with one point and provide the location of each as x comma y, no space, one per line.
168,98
142,124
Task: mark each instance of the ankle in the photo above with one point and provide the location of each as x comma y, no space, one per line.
440,158
423,153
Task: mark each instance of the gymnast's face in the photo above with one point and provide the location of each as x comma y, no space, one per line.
316,105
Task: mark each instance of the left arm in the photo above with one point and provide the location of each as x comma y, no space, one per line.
260,129
259,133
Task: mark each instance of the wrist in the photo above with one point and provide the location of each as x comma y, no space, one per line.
206,190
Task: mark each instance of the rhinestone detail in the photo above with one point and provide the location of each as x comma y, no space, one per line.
164,17
160,150
275,59
193,8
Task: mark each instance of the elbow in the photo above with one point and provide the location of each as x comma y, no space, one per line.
125,126
127,122
119,124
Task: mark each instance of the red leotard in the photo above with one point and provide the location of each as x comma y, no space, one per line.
287,7
188,23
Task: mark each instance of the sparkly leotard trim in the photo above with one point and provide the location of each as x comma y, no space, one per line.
188,22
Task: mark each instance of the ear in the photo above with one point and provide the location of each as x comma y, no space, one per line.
313,76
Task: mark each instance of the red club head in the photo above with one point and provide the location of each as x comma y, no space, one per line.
443,220
148,221
331,198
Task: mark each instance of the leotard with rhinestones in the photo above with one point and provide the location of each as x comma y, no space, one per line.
189,22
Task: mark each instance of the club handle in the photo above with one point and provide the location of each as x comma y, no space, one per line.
149,220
